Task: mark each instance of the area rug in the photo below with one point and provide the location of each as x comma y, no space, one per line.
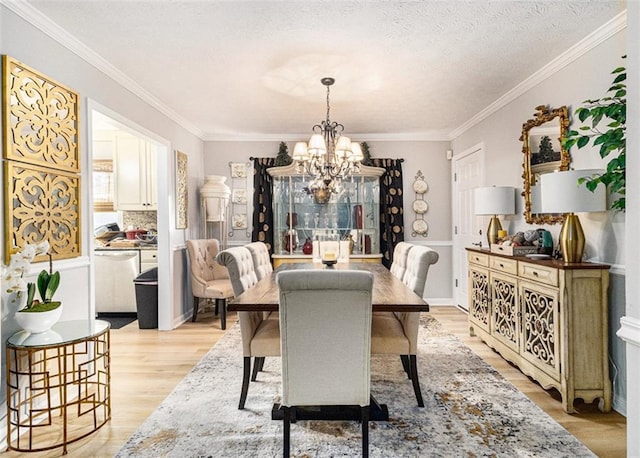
470,411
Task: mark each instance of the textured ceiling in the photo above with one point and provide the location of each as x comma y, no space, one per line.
252,69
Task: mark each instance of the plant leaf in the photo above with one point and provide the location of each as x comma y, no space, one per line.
52,286
43,281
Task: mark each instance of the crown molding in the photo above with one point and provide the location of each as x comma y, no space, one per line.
592,40
57,33
435,136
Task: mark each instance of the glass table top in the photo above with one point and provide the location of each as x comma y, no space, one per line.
63,332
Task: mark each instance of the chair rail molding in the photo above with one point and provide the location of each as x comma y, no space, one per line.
630,330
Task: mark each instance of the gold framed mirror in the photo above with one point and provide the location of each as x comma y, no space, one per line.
544,152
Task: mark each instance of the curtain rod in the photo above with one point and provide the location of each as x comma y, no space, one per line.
251,158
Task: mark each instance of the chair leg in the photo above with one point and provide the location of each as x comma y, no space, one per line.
221,304
405,365
364,417
246,373
414,379
258,362
196,306
286,432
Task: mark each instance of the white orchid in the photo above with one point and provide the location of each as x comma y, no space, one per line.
19,264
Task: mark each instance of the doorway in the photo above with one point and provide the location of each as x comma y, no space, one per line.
468,173
100,119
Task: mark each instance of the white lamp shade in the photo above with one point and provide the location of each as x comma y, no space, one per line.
536,205
343,146
317,145
495,200
561,193
300,152
356,151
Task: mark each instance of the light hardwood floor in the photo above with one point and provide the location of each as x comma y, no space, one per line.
147,364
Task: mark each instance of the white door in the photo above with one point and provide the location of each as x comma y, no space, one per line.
468,173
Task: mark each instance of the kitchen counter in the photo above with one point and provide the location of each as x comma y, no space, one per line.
123,248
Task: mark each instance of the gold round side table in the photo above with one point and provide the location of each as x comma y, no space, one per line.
54,378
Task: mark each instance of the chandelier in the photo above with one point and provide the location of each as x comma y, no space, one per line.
329,157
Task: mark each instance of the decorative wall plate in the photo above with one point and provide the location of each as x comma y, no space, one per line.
420,206
420,227
420,186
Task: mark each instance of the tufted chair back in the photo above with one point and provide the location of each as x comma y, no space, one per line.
204,267
261,259
399,264
325,322
239,264
418,262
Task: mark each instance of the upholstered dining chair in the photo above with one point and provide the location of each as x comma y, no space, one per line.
209,280
396,333
261,259
325,328
260,336
399,263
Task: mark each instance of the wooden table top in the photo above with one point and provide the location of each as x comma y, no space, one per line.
389,293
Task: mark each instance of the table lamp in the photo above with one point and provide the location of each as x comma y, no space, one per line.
561,193
494,200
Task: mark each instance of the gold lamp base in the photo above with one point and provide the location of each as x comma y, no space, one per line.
492,230
572,239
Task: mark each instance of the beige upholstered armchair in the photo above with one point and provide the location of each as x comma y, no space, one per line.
396,333
209,280
260,336
325,322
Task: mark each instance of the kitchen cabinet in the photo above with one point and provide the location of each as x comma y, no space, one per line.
547,317
148,259
135,174
351,213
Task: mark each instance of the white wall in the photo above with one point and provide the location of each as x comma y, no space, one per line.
588,77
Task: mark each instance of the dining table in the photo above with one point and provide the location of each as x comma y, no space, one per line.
389,294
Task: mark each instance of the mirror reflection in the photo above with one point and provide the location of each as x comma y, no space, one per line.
543,150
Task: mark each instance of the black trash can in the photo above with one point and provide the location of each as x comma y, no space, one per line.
147,298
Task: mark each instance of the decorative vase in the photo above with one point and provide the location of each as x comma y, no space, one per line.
307,248
290,239
216,195
292,219
37,322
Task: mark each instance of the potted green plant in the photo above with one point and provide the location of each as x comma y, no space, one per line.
33,315
612,140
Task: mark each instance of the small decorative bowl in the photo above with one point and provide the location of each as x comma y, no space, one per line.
329,262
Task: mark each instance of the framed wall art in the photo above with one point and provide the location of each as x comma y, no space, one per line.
182,190
42,163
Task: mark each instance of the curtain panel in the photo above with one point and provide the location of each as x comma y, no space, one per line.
263,201
391,207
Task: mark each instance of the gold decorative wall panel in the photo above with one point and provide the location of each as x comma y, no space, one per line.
41,161
42,205
40,120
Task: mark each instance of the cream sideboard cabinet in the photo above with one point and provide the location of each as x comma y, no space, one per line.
547,317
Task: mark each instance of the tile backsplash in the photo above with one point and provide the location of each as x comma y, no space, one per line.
141,219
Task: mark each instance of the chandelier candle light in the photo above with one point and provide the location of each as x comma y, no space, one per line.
494,200
563,192
329,156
